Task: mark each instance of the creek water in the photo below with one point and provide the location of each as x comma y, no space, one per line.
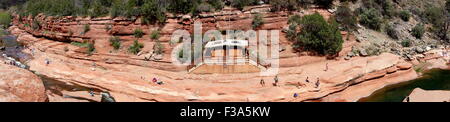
434,79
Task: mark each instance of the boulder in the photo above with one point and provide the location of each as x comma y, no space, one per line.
363,52
20,85
419,50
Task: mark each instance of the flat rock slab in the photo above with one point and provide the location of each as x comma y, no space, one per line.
420,95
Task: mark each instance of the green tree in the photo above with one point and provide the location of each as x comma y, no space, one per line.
440,18
278,5
318,35
5,19
153,12
240,4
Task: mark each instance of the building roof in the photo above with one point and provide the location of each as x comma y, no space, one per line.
227,42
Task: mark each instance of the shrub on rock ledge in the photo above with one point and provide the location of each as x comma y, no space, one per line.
136,47
406,43
257,21
155,34
138,33
115,42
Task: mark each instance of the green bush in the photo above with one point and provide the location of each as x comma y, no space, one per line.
154,35
79,44
138,33
384,7
257,21
344,16
136,47
50,7
391,32
152,12
5,19
406,43
440,19
291,33
90,48
115,42
404,15
240,4
294,19
371,19
217,4
318,35
98,9
433,15
418,31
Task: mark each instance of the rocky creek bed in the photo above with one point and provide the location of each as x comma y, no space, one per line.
11,52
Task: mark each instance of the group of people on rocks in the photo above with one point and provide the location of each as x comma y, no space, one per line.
263,83
159,82
316,84
13,62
